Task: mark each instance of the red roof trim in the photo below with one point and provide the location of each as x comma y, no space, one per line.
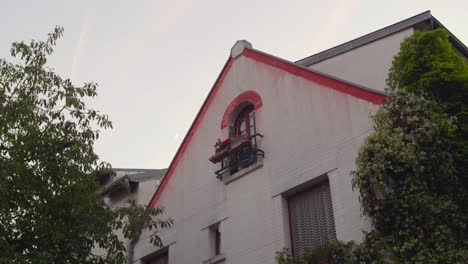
247,96
317,78
274,62
191,131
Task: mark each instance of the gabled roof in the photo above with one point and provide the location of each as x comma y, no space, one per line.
421,21
244,48
131,176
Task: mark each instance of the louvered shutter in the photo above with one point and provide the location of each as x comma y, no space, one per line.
311,218
161,259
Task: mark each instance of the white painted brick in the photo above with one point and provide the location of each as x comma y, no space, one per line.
305,126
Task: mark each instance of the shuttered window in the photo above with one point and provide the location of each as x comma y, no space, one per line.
161,259
311,218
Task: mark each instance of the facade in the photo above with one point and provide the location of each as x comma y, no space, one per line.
267,163
122,185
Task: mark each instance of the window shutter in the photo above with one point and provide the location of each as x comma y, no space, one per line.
311,218
161,259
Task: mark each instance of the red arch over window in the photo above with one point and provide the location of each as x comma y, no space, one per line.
247,96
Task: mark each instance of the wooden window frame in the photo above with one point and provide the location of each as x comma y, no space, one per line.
247,115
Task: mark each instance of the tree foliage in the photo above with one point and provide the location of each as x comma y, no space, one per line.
333,252
49,211
428,66
411,172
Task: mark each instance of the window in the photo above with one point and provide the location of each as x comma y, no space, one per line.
217,242
242,131
240,150
215,255
159,259
215,239
311,218
244,125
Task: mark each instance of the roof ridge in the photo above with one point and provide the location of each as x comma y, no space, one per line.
367,38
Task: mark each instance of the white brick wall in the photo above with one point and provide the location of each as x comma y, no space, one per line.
367,65
309,130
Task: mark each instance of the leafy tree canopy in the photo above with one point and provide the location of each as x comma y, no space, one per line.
412,170
428,66
49,211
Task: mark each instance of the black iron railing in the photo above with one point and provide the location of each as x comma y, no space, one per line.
236,153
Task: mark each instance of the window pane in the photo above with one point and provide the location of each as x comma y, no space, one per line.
245,122
242,126
311,217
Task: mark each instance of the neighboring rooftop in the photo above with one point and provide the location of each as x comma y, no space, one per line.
421,21
124,176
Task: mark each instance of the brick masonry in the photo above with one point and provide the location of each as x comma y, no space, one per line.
309,130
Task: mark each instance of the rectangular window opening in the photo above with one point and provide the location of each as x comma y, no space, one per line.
311,218
159,259
215,239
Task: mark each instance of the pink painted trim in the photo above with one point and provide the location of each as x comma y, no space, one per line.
317,78
247,96
189,135
290,68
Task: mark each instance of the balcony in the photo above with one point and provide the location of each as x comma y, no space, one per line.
236,153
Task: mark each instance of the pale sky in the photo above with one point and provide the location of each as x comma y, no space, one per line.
155,61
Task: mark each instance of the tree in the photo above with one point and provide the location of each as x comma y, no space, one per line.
428,66
333,252
411,172
49,211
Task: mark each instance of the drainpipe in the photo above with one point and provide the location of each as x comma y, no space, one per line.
131,245
131,250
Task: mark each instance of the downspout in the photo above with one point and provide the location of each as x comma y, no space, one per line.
131,245
131,250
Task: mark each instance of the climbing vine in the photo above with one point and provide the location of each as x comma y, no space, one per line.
412,171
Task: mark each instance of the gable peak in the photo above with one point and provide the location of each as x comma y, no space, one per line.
239,47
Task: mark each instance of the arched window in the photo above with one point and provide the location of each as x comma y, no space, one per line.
244,124
240,150
242,138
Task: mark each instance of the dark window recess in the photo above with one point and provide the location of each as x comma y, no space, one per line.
244,125
311,218
216,235
160,259
241,149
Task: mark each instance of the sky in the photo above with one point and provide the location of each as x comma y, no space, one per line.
155,61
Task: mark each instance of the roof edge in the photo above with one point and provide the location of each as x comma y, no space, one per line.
320,73
135,169
212,93
174,160
459,46
368,38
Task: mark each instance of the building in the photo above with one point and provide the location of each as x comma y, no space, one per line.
266,163
120,186
123,185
